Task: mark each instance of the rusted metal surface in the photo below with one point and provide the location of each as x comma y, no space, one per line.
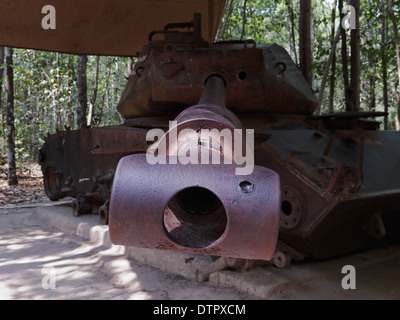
334,206
170,75
81,163
194,208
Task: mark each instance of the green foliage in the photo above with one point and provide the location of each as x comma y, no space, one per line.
266,21
269,22
45,96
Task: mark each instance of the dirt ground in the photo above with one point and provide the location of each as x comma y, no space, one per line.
29,189
38,262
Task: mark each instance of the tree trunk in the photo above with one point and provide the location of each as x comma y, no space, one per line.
328,65
292,33
345,68
130,65
12,169
82,91
221,29
58,114
371,94
384,71
2,113
116,91
243,33
371,62
396,41
305,40
355,60
105,95
70,111
94,95
333,68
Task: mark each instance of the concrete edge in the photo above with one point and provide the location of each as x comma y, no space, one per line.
86,227
267,282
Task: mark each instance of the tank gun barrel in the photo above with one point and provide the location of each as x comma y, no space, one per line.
214,91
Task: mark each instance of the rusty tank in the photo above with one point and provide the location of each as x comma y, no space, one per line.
319,186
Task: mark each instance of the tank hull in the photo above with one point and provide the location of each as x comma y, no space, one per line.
339,189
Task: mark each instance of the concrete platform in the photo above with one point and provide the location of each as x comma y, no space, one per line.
376,272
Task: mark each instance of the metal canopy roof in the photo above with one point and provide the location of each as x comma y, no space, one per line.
102,27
